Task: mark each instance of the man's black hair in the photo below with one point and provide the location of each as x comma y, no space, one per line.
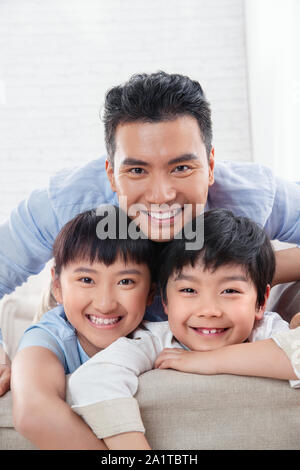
228,239
153,98
79,240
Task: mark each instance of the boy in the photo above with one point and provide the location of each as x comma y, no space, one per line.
215,299
103,287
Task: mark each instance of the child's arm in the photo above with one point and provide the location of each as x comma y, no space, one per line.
39,410
102,391
5,370
261,359
127,441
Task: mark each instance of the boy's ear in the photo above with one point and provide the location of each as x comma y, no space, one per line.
165,306
56,286
262,308
151,294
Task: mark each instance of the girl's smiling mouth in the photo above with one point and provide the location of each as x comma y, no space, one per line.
104,322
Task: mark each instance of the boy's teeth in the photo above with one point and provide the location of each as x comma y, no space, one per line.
103,321
211,331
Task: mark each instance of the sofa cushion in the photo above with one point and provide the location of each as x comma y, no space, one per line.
190,412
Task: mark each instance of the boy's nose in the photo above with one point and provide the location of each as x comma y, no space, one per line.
208,309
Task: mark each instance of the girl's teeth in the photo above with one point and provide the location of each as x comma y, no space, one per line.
103,321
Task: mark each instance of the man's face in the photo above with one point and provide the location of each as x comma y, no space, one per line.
210,309
163,171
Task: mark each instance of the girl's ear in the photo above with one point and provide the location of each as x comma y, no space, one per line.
262,308
56,286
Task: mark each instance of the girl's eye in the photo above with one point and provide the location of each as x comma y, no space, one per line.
126,282
86,280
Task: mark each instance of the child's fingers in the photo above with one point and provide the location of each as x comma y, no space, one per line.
168,364
4,378
168,354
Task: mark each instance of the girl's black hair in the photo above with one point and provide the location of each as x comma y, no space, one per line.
228,239
80,239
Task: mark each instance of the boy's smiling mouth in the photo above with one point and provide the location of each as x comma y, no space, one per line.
209,331
103,322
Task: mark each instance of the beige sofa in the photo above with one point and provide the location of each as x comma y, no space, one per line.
184,411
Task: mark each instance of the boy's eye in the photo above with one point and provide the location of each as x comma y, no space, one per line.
86,280
126,282
188,290
230,291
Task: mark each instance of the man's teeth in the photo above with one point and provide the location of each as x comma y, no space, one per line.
163,215
103,321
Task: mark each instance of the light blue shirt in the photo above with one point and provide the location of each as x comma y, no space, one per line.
55,333
27,237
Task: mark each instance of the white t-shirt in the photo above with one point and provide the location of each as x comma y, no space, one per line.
102,389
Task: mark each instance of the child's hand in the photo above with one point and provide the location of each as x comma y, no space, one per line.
187,361
5,372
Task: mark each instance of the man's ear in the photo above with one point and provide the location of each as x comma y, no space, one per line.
56,286
261,310
110,175
211,167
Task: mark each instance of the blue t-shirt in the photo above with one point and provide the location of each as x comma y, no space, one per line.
56,333
26,238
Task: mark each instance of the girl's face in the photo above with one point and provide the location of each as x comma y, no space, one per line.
103,302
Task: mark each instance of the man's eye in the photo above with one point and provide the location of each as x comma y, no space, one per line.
136,171
181,168
86,280
126,282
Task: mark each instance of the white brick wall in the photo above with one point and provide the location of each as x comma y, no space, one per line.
58,57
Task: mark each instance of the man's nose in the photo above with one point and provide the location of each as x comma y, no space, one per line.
160,190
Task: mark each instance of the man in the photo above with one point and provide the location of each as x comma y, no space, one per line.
160,162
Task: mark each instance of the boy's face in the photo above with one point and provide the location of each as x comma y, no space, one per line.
103,302
207,310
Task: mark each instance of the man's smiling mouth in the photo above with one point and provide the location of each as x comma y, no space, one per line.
163,216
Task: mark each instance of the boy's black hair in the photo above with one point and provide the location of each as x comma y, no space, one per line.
228,239
78,240
153,98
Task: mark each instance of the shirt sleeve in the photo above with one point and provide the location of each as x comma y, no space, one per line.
273,326
37,336
102,390
289,342
26,240
283,223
